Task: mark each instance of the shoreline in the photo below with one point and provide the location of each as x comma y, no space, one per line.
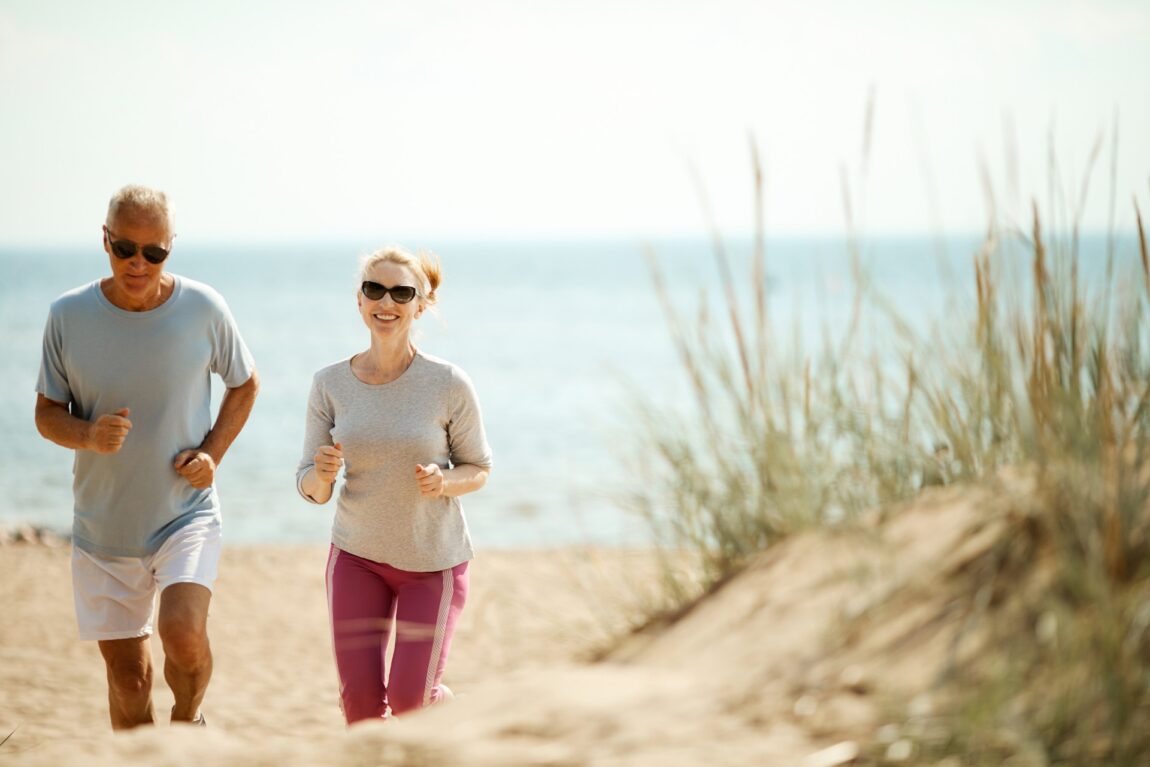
28,534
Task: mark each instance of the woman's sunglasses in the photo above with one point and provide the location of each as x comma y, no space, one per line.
126,249
401,294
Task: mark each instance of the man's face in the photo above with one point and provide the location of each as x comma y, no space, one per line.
135,278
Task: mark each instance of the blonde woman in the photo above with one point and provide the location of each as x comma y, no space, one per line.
406,429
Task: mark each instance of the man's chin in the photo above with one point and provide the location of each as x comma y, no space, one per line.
137,287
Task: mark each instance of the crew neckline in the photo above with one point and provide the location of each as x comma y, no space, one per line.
351,371
156,311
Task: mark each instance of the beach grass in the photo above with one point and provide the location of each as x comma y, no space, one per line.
1048,378
1057,388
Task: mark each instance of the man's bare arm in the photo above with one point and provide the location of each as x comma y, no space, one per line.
106,434
198,464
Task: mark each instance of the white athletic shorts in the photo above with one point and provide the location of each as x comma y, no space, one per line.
116,596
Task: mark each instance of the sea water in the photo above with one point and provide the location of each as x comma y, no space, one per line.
559,337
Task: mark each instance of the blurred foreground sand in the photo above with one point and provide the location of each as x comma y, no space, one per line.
800,654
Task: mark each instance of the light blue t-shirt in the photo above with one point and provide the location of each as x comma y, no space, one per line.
98,359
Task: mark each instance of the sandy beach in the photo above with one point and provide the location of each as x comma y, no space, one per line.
790,663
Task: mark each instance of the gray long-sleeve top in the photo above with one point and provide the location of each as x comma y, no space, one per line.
430,414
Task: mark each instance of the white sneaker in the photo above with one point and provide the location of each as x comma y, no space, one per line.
445,694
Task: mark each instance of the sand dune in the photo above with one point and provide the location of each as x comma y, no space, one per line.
793,662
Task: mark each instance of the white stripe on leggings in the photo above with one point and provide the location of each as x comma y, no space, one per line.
440,631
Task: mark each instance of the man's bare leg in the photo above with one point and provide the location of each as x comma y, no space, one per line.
183,625
129,664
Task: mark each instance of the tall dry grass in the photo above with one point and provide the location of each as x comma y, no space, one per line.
1052,377
774,439
1061,387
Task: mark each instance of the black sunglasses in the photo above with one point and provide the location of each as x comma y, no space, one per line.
126,249
401,294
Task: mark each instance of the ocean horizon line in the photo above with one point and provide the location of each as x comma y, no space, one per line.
415,240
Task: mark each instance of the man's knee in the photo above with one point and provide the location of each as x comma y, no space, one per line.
185,643
130,677
183,625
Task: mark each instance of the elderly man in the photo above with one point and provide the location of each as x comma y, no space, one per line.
124,381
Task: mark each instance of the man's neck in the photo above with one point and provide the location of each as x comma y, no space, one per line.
138,303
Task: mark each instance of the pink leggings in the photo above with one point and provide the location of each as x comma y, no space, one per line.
365,600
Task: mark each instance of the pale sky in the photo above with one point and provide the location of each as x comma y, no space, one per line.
288,120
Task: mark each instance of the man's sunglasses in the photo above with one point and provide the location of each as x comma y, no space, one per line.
401,294
126,249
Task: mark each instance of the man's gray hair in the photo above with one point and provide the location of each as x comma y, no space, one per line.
140,202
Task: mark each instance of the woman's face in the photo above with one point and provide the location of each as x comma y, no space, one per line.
384,317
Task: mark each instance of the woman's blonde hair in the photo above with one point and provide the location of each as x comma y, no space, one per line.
424,267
